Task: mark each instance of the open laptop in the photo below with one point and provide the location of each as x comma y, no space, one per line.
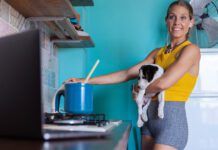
21,110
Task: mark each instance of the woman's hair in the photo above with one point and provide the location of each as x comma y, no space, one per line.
182,3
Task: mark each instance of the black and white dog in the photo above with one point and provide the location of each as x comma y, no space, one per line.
147,74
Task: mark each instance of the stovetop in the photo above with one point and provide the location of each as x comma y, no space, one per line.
78,122
76,119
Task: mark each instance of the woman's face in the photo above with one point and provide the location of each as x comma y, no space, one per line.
178,22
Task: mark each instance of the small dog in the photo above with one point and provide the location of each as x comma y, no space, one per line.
147,74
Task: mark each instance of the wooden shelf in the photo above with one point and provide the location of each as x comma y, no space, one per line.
74,43
67,28
64,33
54,14
43,8
82,2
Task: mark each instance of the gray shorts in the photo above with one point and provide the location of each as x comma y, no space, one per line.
172,129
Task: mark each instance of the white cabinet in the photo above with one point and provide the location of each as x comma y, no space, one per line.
202,114
202,108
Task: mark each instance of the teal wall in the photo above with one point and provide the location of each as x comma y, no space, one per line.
71,63
124,32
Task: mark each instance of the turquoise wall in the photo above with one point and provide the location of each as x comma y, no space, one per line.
124,32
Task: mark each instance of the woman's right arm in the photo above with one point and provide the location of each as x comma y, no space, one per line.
120,76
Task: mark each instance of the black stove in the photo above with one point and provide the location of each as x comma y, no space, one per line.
76,119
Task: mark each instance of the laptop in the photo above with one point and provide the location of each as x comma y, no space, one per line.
21,109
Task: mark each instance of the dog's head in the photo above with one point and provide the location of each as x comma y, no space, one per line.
148,72
146,75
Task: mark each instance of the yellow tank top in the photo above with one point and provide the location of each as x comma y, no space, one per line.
182,89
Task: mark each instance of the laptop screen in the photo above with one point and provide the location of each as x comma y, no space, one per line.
20,92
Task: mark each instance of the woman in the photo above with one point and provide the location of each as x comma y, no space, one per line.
180,59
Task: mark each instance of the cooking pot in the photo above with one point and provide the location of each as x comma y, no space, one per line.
78,98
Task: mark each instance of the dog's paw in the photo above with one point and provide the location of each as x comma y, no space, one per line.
161,114
144,117
140,123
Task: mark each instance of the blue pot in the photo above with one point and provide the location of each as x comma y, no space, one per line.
78,98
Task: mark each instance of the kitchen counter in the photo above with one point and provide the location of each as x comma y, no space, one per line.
117,140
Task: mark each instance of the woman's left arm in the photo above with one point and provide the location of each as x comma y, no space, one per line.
188,58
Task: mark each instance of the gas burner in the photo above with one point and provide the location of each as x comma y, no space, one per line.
75,119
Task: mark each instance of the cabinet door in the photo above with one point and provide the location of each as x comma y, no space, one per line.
202,114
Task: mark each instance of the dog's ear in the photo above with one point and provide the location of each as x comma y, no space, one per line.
149,72
153,70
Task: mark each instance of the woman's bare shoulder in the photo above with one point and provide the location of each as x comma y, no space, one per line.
193,49
155,51
151,56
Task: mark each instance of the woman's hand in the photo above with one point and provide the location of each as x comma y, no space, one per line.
75,80
135,90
